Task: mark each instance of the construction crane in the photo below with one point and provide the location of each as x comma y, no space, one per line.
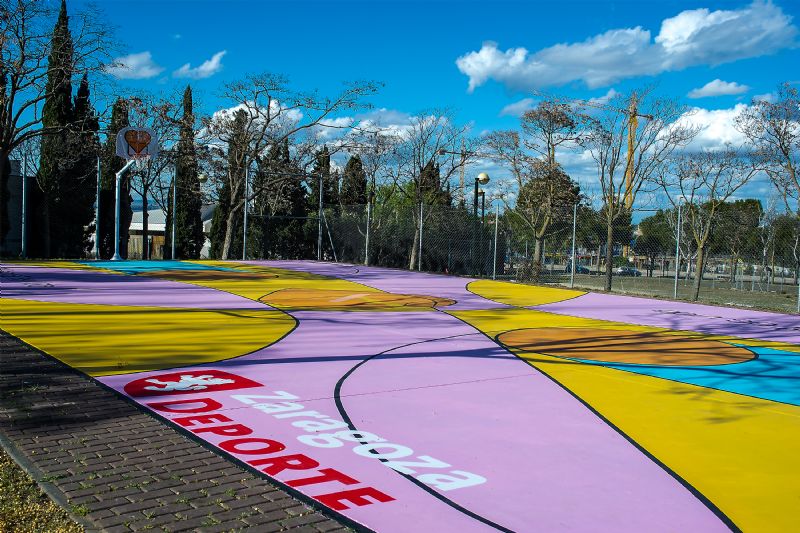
632,112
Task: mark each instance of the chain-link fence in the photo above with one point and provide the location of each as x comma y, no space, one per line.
744,264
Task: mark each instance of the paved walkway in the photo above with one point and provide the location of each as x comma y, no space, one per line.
117,469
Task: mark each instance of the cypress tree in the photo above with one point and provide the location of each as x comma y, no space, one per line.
57,115
74,208
189,237
430,187
330,182
109,165
220,220
354,183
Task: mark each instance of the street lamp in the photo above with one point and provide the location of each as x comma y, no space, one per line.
480,179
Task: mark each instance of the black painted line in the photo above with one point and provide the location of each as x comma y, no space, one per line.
688,486
429,490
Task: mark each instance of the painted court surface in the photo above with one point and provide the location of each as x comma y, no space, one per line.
408,401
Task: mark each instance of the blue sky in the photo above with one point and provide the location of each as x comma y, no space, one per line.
475,57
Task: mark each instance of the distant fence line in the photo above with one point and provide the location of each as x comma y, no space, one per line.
443,239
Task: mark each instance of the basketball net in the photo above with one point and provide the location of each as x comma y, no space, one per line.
140,160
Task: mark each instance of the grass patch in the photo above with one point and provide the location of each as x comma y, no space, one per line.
23,505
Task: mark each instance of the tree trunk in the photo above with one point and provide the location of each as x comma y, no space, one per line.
699,266
145,232
538,250
414,246
734,263
226,246
609,254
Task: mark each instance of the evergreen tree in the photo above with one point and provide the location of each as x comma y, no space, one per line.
354,183
57,115
429,183
109,165
220,220
282,204
189,237
74,209
330,182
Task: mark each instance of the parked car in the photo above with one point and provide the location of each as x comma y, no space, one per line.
580,269
627,271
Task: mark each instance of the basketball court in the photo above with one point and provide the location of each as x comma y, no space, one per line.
408,401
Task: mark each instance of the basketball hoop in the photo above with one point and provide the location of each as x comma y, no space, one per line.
137,144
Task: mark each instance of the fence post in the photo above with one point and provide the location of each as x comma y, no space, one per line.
96,249
798,298
246,209
366,242
174,204
419,250
677,255
496,226
24,235
574,227
319,221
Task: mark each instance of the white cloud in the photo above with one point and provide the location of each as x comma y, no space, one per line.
332,127
717,127
135,67
766,97
518,108
606,98
206,69
718,88
693,37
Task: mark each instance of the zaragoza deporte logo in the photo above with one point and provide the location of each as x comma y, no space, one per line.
187,382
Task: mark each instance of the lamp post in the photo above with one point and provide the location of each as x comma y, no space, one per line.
246,209
480,179
481,255
24,207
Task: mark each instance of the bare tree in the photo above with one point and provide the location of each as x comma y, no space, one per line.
25,45
542,192
151,111
630,142
273,112
701,182
427,157
773,128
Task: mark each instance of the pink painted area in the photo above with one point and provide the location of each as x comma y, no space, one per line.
429,383
65,285
446,391
682,316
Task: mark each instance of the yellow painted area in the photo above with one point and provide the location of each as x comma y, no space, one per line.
274,279
520,295
740,452
102,340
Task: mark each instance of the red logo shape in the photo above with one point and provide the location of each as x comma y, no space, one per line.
187,382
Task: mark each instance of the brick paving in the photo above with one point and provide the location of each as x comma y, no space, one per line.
116,468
